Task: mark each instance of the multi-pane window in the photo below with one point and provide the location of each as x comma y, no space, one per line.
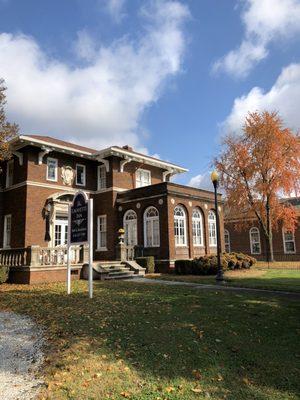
52,169
255,241
80,175
212,228
143,178
7,231
151,227
180,226
227,241
101,177
197,226
9,173
289,242
102,232
130,227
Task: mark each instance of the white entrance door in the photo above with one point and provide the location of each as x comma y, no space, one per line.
61,231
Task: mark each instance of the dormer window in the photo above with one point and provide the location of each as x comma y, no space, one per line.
80,175
143,178
9,173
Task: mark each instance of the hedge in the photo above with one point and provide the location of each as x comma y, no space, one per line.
208,265
4,271
146,262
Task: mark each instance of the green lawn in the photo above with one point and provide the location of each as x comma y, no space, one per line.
273,279
156,342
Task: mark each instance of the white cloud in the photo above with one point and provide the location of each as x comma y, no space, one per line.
116,9
100,103
284,97
202,181
264,21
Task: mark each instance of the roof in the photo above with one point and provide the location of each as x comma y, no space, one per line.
62,146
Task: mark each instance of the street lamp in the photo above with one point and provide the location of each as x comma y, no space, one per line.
215,180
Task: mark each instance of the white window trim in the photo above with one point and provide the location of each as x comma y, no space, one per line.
148,173
201,244
256,229
7,185
136,226
284,243
5,245
215,223
228,244
152,232
102,166
84,175
98,233
184,227
56,168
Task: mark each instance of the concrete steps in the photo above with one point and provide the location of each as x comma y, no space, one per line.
111,270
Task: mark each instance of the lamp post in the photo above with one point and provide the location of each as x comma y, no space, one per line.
215,181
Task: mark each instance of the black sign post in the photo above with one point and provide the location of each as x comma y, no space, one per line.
80,232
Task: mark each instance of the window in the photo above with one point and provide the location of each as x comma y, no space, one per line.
7,231
143,178
227,241
151,227
289,242
101,177
80,175
180,226
212,228
130,227
197,225
254,241
52,169
9,173
102,232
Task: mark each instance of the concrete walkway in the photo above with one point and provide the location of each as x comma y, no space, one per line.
198,286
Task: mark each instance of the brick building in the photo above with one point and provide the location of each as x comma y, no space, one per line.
130,190
250,239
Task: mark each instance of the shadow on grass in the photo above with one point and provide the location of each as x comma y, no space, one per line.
244,345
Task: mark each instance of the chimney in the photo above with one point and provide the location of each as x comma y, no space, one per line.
126,147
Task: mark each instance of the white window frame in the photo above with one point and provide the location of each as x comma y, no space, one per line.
132,221
101,180
139,180
56,169
197,222
9,178
153,222
285,241
179,223
227,242
212,228
6,243
102,232
254,229
84,175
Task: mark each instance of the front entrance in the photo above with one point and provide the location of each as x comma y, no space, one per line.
61,231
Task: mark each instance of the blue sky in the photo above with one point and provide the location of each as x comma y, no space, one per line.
168,77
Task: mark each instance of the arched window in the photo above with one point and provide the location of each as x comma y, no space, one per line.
130,227
254,241
151,227
212,228
197,225
227,241
180,226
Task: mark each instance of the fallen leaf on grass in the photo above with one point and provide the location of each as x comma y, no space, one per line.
125,394
197,390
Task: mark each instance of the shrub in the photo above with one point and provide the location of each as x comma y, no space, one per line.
208,265
4,271
162,267
146,262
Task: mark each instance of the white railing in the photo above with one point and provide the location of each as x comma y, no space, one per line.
58,255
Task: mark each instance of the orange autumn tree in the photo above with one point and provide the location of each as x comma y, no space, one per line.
7,130
259,167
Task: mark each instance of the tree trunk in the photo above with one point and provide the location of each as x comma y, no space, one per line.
270,253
